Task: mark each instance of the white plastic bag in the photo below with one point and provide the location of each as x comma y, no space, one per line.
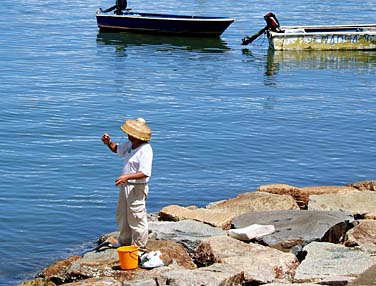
151,260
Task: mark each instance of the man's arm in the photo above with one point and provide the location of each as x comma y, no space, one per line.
124,178
106,139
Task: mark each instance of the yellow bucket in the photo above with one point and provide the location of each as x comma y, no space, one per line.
128,257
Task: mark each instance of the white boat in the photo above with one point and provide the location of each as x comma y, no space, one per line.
325,37
333,37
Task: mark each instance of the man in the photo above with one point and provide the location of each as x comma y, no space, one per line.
131,213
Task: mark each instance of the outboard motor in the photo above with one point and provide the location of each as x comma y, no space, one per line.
272,24
121,5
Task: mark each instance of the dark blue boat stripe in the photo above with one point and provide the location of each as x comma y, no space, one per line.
172,19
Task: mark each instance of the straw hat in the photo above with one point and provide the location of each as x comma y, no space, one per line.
137,129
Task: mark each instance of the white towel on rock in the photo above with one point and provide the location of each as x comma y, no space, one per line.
251,232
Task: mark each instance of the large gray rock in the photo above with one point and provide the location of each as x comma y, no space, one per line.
260,264
187,232
358,203
214,275
296,228
100,281
148,282
328,261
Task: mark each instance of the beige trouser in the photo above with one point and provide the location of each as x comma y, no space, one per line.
131,215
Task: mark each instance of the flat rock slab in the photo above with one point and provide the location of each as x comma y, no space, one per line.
216,218
325,260
187,232
183,230
298,227
358,203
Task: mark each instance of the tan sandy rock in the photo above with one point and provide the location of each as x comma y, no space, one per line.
323,190
363,235
57,271
37,282
300,197
364,185
255,201
370,216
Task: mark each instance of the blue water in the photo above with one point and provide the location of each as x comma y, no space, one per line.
225,118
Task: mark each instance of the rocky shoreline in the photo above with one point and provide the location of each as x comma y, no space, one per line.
278,235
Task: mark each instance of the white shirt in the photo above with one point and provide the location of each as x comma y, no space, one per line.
136,160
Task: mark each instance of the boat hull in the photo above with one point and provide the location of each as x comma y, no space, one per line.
345,37
164,24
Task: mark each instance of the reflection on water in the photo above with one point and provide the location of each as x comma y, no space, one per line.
318,60
272,66
124,39
296,60
293,60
